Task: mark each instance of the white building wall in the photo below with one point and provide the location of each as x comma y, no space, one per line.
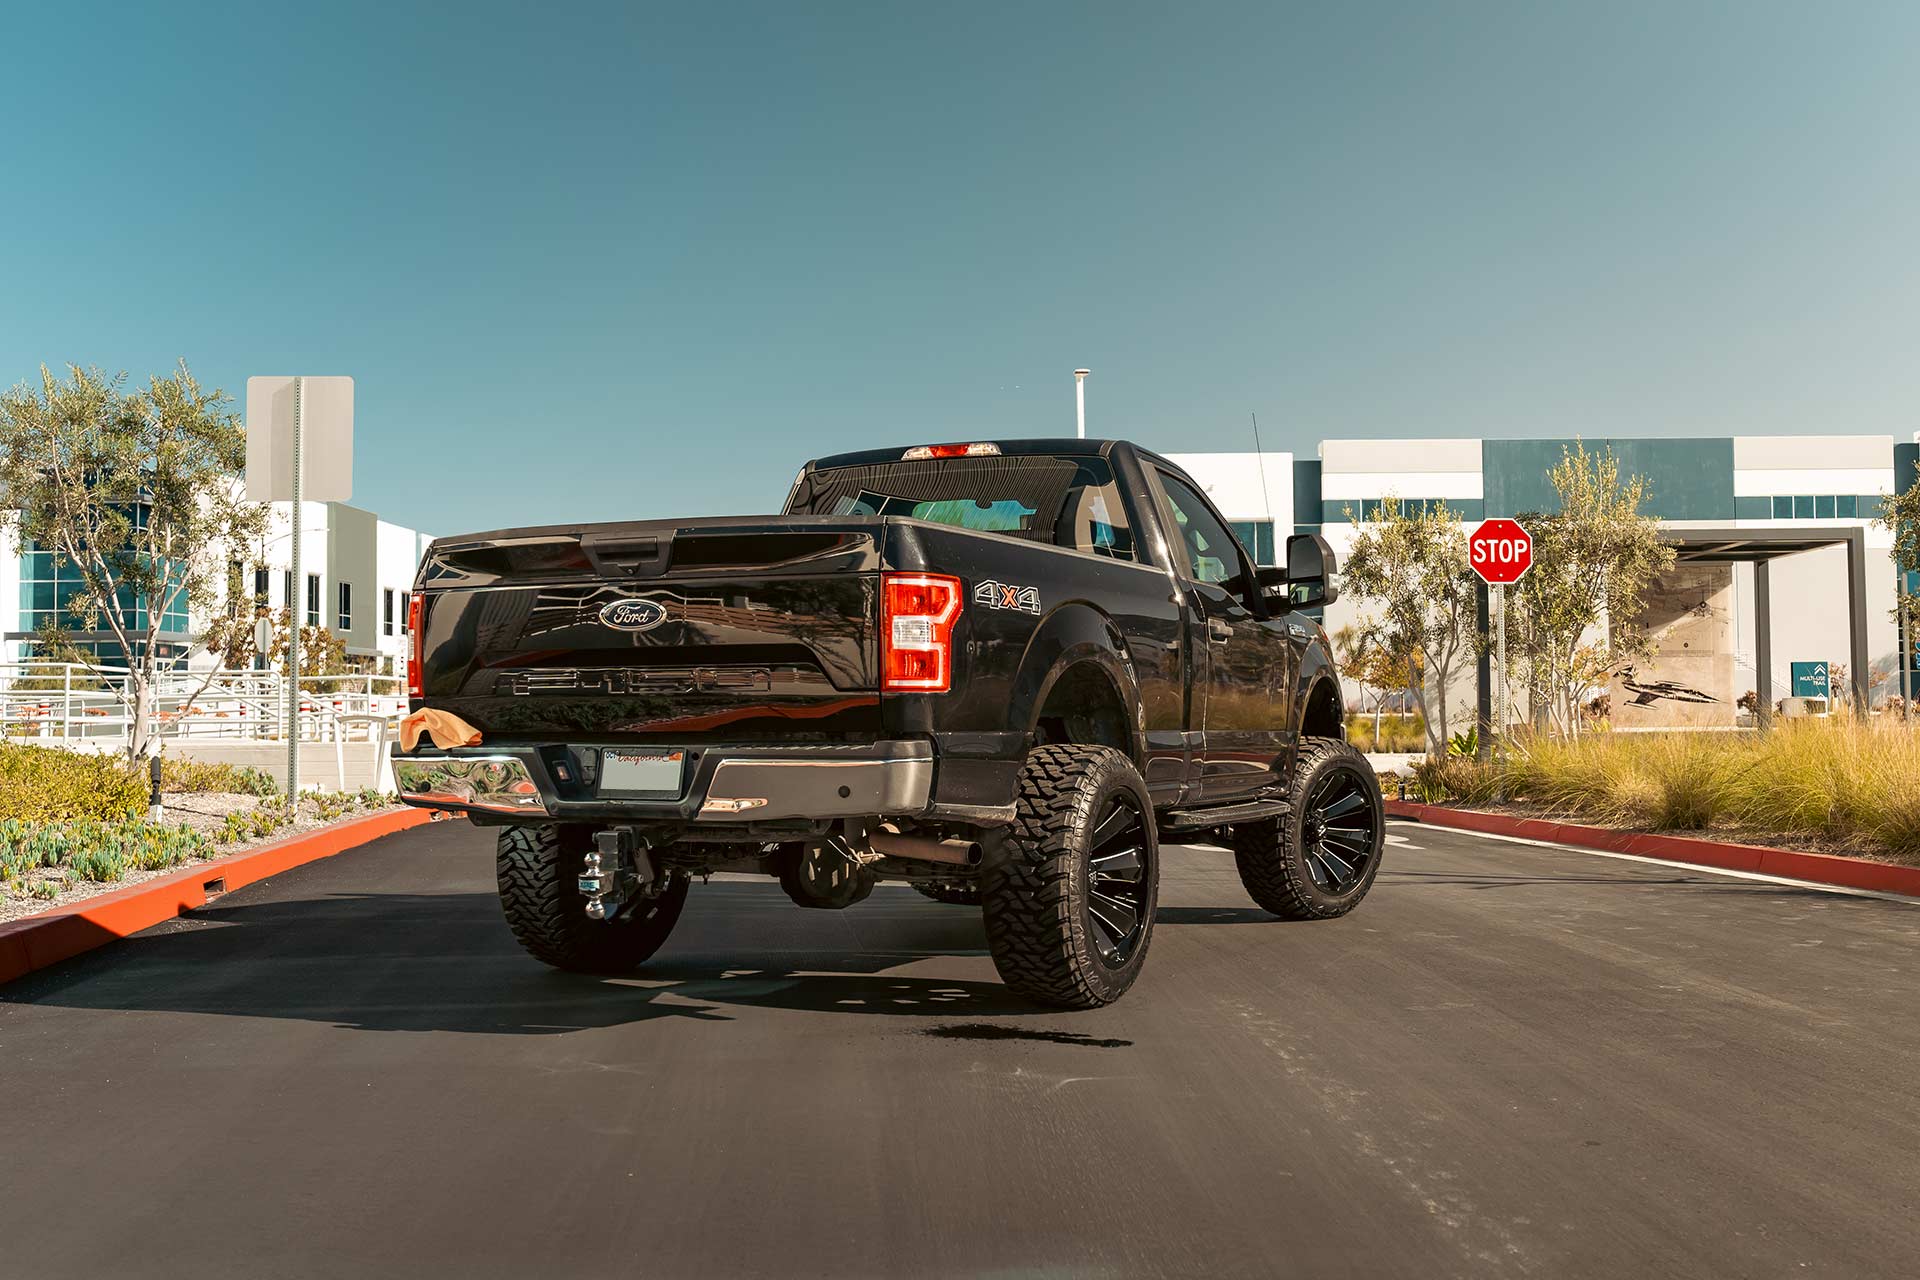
338,542
1352,471
1245,486
10,592
398,558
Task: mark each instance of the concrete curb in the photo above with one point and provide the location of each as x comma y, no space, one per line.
1817,868
52,936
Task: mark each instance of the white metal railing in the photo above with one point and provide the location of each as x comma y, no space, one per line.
71,703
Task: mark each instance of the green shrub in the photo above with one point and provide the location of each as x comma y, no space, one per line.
44,784
255,824
180,774
101,852
99,865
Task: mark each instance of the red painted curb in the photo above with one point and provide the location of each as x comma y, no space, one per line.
53,936
1817,868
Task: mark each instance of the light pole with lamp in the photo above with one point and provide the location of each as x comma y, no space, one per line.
1080,398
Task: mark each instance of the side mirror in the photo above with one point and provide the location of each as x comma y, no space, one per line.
1310,569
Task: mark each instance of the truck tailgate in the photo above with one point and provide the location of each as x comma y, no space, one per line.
665,631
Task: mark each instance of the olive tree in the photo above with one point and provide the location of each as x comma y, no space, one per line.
1412,562
1593,560
138,489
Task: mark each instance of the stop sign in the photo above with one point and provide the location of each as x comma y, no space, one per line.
1500,551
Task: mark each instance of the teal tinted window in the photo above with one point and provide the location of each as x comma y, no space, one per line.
1846,506
1823,507
1783,508
1002,516
1688,479
1802,506
1257,537
48,585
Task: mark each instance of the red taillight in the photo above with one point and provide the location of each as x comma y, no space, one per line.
921,452
917,613
415,675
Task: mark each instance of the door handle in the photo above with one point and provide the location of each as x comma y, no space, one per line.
1219,631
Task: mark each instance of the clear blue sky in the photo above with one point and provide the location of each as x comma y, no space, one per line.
595,263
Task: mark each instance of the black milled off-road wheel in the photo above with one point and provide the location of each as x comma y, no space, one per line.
1071,890
539,873
1319,861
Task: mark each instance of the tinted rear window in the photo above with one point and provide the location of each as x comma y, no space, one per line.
1068,502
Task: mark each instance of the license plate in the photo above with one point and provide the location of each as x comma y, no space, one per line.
655,773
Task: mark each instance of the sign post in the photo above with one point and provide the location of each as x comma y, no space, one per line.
1501,552
286,419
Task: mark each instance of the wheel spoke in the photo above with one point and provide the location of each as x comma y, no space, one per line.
1345,805
1339,867
1358,847
1115,916
1122,865
1115,824
1316,868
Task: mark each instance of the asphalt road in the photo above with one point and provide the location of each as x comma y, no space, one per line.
1510,1061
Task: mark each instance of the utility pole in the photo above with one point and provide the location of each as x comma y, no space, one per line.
1080,398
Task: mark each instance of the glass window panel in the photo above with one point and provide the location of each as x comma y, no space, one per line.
1846,506
1256,536
1212,553
1783,508
1823,507
1803,506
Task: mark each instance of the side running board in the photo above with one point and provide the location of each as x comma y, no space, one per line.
1223,815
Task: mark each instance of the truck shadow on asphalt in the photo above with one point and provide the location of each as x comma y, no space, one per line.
445,962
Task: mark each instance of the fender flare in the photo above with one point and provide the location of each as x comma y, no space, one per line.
1073,635
1317,671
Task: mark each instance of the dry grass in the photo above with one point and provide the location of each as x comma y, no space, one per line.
1843,783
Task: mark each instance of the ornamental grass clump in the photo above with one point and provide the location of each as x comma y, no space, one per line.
1851,782
1845,781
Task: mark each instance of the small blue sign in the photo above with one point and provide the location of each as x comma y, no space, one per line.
1810,680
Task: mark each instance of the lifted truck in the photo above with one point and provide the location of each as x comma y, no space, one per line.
1000,672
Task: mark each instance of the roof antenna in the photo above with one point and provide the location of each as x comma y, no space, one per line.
1260,458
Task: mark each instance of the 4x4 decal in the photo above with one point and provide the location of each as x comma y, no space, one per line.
1006,595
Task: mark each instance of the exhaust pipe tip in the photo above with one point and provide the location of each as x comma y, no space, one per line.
956,853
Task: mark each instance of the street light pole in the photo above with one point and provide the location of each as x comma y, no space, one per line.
1080,398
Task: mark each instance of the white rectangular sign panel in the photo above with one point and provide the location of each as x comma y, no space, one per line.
326,439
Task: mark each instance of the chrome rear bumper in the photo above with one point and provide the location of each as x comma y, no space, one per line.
490,783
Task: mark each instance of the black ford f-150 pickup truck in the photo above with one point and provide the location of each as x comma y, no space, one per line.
1000,672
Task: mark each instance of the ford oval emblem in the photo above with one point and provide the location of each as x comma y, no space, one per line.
633,615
